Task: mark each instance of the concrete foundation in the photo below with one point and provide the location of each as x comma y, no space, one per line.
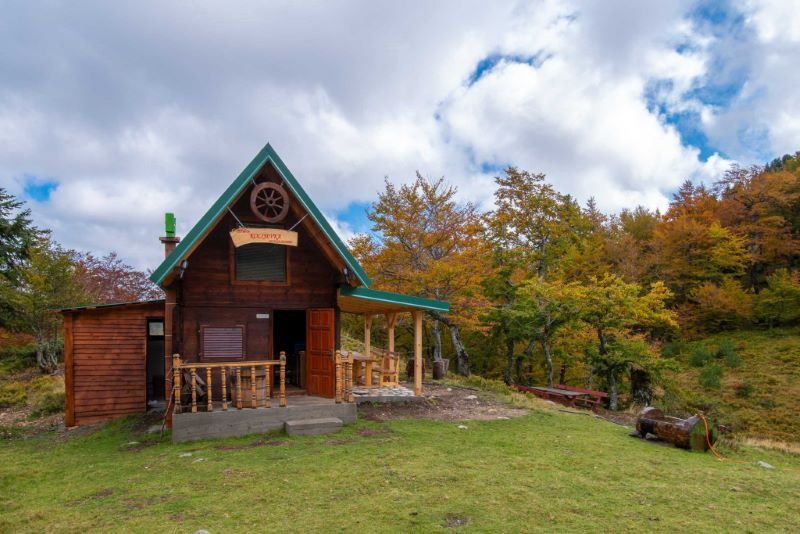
233,422
312,427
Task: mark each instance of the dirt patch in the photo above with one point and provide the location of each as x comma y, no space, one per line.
98,495
339,441
455,521
139,503
444,403
375,432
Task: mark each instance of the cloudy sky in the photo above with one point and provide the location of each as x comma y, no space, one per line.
112,113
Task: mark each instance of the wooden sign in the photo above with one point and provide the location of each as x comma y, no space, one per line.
274,236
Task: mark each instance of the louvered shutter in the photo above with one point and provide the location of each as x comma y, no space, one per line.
223,342
259,261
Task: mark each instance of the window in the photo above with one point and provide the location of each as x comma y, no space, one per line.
262,262
222,342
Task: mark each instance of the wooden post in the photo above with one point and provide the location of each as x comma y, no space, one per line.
417,352
348,379
337,389
176,381
267,386
238,388
194,389
170,302
224,378
253,386
282,393
210,405
368,350
391,321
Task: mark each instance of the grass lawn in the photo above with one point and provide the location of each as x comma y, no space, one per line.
547,471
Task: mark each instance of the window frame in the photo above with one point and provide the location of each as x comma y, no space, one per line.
232,259
202,354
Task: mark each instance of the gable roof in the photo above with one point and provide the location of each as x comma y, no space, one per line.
218,209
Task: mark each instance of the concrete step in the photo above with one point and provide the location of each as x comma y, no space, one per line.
311,427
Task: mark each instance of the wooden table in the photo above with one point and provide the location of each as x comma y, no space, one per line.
360,360
553,393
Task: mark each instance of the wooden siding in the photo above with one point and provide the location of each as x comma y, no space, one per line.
105,361
211,296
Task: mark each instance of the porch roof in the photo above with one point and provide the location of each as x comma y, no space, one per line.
371,301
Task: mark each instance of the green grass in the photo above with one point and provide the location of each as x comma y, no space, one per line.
759,391
548,471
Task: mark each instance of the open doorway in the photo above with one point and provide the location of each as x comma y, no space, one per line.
289,335
155,363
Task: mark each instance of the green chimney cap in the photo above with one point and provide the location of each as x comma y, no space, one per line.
169,224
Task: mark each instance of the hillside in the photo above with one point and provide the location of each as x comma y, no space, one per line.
758,396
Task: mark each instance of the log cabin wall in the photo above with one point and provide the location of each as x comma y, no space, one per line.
210,295
105,361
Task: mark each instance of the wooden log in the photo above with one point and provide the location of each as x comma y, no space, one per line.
224,377
282,398
687,433
194,389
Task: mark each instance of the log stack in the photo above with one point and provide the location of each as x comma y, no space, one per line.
687,433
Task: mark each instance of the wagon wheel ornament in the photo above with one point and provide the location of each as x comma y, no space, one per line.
269,202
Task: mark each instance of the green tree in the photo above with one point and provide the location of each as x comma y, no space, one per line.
615,310
541,309
46,282
779,303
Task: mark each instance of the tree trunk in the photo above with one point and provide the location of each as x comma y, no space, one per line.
462,358
509,361
437,340
611,377
548,360
562,374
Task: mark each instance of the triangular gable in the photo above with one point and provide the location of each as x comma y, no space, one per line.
218,209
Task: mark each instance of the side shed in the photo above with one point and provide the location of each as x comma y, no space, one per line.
107,348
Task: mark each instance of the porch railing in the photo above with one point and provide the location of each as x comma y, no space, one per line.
343,377
200,375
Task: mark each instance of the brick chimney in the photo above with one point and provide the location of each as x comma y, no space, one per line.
170,240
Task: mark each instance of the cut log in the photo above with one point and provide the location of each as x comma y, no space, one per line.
684,433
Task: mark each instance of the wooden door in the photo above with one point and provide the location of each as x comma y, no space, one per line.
320,344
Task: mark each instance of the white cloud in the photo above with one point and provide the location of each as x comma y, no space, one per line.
140,108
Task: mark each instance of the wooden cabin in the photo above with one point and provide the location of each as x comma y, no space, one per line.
248,334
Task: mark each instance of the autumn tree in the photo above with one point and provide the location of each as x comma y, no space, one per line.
530,229
108,279
426,243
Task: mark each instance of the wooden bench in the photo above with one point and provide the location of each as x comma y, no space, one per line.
593,399
562,396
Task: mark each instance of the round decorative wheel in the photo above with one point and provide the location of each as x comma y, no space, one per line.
269,202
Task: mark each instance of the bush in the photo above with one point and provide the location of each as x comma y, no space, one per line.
744,390
710,376
13,394
700,357
727,352
48,403
722,307
16,359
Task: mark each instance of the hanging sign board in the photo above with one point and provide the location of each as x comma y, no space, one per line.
274,236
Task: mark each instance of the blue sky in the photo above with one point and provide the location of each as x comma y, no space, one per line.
112,114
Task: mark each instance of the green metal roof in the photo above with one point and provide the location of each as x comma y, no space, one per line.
394,298
266,155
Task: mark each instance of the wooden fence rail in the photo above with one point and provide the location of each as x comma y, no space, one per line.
236,373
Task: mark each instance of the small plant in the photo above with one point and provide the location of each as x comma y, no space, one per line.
727,352
700,357
744,390
672,349
710,376
49,403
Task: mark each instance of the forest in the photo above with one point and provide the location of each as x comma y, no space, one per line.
542,289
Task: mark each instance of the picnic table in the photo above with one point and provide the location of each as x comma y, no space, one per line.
565,395
359,361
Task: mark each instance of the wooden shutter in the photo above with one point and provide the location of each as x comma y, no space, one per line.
259,261
224,342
